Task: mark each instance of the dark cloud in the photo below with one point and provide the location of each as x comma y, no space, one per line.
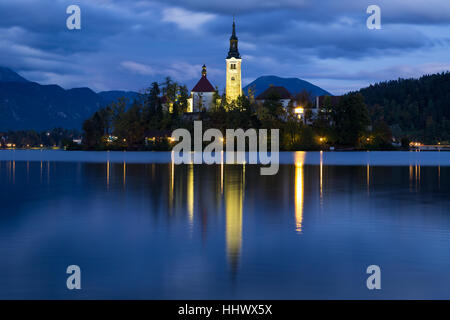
302,38
393,11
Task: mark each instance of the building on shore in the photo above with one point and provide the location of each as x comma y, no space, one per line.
304,111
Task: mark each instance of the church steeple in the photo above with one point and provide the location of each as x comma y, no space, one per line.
234,62
234,52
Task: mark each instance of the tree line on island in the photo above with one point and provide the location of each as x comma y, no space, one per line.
148,122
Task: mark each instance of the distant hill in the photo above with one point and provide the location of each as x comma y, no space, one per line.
29,105
419,108
112,96
293,85
7,75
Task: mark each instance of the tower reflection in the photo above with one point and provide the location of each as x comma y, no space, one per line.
234,200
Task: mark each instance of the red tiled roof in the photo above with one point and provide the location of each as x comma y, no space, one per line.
279,92
203,85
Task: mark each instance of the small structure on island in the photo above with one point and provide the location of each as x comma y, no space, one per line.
202,95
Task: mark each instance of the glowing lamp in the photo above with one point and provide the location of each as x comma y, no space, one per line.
299,110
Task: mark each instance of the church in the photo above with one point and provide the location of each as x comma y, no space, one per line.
202,95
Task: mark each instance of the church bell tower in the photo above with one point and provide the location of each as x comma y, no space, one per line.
234,83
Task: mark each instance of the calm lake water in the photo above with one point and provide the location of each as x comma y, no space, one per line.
142,228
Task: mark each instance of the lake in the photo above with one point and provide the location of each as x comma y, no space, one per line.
141,227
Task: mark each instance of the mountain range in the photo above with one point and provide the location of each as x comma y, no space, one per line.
293,85
28,105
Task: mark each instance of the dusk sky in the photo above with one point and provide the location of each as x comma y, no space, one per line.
127,44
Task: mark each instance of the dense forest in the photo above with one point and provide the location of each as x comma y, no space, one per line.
415,108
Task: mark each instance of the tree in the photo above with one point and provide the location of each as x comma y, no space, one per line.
183,98
151,101
351,119
217,100
95,129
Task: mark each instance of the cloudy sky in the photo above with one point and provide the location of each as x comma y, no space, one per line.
127,44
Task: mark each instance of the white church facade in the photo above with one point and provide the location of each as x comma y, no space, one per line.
202,95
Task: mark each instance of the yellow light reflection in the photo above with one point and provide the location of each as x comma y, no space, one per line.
190,193
411,177
419,176
124,174
234,199
439,177
299,190
321,177
172,182
172,178
368,178
221,173
107,174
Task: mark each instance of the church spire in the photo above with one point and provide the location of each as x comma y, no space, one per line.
233,35
233,52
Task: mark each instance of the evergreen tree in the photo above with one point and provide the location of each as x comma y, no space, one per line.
351,119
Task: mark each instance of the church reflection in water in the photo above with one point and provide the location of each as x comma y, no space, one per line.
207,199
210,199
199,191
234,201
